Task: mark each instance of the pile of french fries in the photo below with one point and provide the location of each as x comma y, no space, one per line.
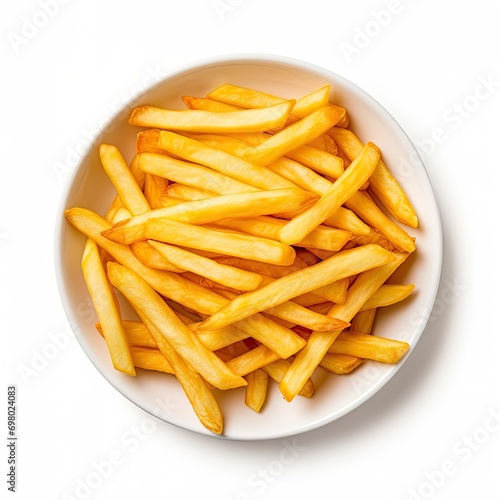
254,236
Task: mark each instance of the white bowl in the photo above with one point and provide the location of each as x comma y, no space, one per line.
336,396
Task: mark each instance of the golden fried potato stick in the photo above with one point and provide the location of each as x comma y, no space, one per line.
154,312
312,101
120,175
366,209
326,143
107,308
225,163
226,275
383,183
168,284
341,190
302,176
150,257
213,209
192,174
297,134
368,346
363,321
317,346
154,189
252,360
183,192
195,387
323,237
340,364
325,162
256,390
270,270
277,370
149,358
387,295
347,220
335,292
184,291
249,98
337,267
137,334
373,236
291,167
188,120
295,314
228,243
147,142
205,104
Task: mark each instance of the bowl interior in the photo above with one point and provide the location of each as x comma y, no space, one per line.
160,394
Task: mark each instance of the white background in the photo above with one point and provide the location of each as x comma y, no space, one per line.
432,432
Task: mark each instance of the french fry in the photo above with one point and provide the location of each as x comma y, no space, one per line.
312,101
226,275
153,310
387,295
382,181
154,189
268,227
292,166
252,360
256,389
316,159
183,192
335,292
277,370
147,142
305,130
295,314
192,174
137,334
367,346
196,389
120,175
271,270
248,120
206,104
250,236
318,344
249,98
213,209
149,358
168,284
373,236
340,364
107,308
229,243
367,210
343,188
150,257
363,321
225,163
337,267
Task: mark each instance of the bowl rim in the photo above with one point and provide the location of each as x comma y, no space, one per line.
213,62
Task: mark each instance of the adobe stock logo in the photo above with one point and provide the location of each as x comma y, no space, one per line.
32,25
222,7
453,118
364,35
463,450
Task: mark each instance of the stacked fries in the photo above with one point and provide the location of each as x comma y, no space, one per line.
249,234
